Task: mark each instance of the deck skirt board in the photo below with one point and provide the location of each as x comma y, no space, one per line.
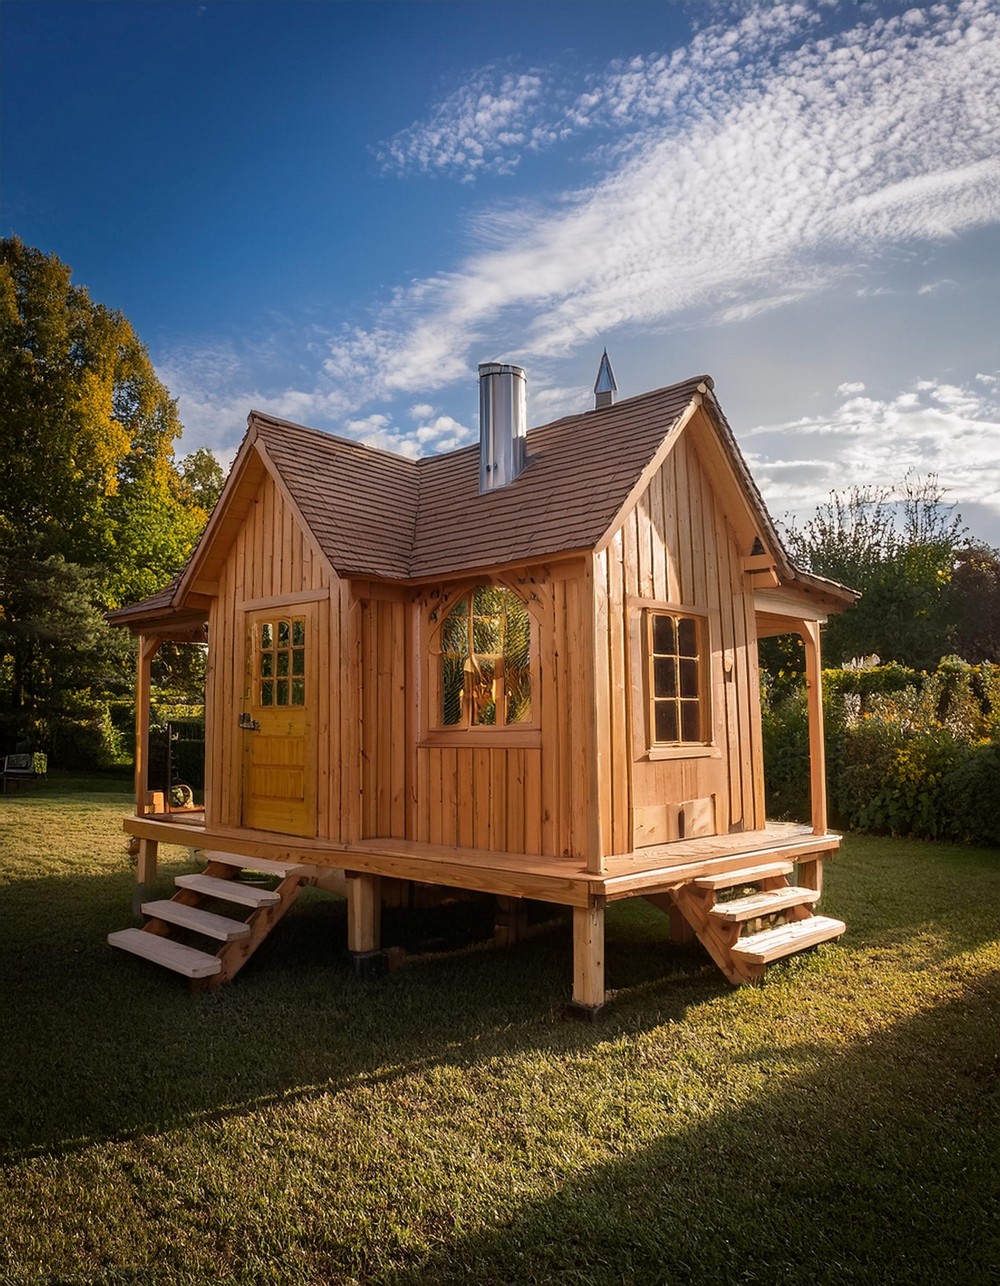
561,880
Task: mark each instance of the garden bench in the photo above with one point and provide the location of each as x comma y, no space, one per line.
23,767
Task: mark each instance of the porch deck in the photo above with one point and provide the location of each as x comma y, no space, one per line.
562,880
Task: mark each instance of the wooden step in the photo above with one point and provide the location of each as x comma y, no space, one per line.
748,875
192,917
786,939
263,865
758,904
166,952
228,890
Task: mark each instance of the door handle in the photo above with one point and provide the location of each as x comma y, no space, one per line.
247,723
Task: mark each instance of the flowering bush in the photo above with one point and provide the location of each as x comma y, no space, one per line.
921,759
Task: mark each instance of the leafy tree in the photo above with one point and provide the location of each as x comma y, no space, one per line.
899,552
203,478
93,509
973,603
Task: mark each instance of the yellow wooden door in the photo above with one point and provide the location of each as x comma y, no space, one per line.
277,721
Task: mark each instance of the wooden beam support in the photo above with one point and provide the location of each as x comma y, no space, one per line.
814,701
148,648
588,959
810,874
364,919
145,871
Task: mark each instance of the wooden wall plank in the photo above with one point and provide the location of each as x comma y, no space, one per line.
533,801
466,797
399,613
551,718
668,478
580,643
482,783
621,748
321,699
597,681
385,713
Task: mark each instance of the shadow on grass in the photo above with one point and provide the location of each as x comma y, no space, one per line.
101,1046
879,1165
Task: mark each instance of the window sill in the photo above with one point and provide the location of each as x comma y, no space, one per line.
483,738
682,752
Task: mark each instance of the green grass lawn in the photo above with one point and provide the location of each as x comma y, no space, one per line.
446,1124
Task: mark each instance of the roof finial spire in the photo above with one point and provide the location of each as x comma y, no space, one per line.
605,386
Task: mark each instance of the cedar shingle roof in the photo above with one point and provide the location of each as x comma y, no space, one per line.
360,503
377,514
386,516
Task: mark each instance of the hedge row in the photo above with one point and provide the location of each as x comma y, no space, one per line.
907,753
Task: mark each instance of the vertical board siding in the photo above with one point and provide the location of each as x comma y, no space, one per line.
524,799
268,558
677,547
383,723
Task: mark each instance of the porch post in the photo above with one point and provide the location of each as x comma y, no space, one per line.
814,701
148,648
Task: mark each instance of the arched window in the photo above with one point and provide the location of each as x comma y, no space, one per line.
485,661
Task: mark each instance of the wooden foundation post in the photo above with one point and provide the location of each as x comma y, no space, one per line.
145,871
588,960
364,921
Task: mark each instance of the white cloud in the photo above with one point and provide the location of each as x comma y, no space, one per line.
935,427
748,170
480,127
442,433
844,390
759,162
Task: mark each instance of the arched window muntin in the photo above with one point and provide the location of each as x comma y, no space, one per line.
484,653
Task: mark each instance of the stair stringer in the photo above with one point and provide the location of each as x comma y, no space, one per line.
695,905
234,955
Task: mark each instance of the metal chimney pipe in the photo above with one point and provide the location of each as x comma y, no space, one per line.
503,423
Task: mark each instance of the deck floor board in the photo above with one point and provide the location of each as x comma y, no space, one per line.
563,880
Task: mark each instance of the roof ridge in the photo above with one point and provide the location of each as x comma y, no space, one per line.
256,416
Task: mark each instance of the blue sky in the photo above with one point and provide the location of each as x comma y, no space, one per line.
333,211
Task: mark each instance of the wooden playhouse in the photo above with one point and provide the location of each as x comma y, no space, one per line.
526,668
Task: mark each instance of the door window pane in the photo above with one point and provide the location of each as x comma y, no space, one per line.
281,654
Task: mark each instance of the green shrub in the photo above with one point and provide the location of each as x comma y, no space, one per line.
907,754
786,758
86,739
